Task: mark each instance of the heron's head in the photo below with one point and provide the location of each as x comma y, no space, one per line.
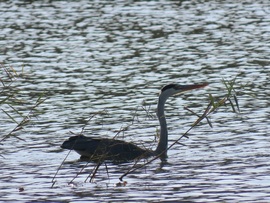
175,89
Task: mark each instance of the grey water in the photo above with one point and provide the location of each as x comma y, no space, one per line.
109,59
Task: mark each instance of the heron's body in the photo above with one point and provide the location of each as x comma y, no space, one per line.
100,149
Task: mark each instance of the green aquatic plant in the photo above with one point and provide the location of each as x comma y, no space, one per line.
230,95
16,105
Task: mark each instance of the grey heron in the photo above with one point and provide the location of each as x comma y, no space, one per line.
101,149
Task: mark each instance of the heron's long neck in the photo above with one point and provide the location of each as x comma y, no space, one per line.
163,139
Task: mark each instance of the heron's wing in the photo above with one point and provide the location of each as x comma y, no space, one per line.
103,149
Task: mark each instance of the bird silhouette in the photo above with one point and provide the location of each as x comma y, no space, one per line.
101,149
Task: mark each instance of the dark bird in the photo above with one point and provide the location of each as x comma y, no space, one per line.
100,149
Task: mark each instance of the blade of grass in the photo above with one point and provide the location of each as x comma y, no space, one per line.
9,116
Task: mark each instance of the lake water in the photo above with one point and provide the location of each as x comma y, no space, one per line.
113,57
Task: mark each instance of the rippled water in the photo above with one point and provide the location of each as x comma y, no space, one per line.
91,56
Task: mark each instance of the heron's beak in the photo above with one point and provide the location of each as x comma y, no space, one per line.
183,88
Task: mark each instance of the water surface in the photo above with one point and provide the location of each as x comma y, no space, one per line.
115,56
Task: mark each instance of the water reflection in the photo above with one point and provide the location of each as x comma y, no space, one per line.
91,56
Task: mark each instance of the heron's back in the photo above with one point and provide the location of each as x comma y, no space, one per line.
97,149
